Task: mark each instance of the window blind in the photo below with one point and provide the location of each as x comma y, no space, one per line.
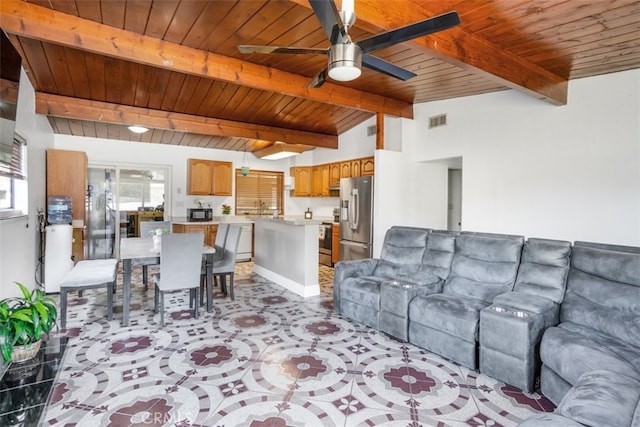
260,192
12,158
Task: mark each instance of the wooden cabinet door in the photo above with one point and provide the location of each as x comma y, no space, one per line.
355,168
334,174
335,244
210,237
324,180
222,178
67,176
316,181
367,166
345,169
199,174
302,177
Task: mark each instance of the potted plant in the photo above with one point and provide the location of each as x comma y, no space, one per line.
226,209
23,322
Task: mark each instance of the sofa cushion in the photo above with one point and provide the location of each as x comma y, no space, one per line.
603,292
603,399
484,265
570,350
362,290
456,315
402,251
439,253
543,268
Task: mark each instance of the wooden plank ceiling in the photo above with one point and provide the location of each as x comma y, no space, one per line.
173,66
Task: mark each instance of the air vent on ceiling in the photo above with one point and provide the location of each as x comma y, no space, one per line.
436,121
371,130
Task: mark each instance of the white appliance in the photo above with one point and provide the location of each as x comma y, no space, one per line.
245,244
57,255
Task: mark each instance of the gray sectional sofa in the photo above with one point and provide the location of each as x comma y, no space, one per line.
515,310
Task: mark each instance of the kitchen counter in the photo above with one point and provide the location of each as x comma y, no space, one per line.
286,252
229,220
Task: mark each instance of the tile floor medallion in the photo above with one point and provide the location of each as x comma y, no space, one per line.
269,358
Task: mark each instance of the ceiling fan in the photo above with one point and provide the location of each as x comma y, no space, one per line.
346,57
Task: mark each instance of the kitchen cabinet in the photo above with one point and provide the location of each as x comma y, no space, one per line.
355,168
209,178
334,174
302,181
324,180
67,176
209,230
316,181
345,169
335,243
367,166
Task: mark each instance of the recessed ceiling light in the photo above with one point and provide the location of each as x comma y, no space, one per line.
138,129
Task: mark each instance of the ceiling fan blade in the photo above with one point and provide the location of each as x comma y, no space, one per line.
319,79
385,67
248,48
402,34
329,17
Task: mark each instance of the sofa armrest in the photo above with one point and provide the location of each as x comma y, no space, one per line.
347,269
546,308
355,268
428,282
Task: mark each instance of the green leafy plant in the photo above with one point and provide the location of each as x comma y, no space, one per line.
24,320
226,209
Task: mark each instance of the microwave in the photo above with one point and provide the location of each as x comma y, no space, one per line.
199,214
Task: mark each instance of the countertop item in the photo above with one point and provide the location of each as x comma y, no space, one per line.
293,220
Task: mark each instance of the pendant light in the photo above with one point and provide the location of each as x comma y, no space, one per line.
244,170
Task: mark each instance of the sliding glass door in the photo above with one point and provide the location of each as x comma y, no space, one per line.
118,199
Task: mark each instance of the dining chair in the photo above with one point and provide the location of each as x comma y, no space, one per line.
146,227
221,238
180,263
226,266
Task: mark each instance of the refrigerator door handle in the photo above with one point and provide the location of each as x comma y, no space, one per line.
355,209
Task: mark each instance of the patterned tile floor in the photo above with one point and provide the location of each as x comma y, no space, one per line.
269,358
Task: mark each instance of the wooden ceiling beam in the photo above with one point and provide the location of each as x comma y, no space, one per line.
40,23
82,109
461,48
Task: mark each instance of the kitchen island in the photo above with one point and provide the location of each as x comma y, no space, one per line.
286,252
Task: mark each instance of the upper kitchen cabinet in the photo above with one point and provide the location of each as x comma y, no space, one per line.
345,169
334,174
302,181
367,166
209,178
355,168
67,176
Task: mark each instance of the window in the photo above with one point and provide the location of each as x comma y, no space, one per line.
260,192
13,183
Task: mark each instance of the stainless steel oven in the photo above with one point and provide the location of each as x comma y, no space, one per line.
325,238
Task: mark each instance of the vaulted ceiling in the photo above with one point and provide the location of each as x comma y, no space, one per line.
174,67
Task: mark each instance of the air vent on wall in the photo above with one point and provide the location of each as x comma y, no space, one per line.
436,121
371,130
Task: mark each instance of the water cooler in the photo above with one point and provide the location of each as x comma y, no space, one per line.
58,242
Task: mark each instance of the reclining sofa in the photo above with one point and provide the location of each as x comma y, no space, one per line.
504,306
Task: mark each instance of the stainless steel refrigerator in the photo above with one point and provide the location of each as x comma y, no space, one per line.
356,218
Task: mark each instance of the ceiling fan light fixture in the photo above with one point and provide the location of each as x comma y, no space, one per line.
137,129
345,62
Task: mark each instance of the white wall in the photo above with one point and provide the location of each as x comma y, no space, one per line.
569,172
19,236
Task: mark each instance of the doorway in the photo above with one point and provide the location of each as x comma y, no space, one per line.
118,198
454,200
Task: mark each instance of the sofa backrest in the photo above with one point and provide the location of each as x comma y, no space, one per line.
603,290
439,253
543,268
402,251
484,265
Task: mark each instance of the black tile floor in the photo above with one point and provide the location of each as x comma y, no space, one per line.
269,358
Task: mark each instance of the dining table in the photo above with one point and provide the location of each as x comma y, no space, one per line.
143,250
